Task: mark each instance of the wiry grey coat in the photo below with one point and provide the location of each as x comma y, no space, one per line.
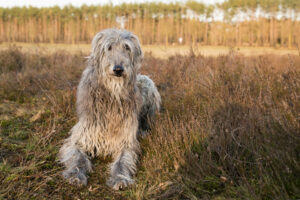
112,107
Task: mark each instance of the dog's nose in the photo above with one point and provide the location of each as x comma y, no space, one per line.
118,70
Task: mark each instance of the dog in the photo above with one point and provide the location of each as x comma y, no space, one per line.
114,105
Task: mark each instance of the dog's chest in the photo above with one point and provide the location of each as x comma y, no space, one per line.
116,128
108,124
113,135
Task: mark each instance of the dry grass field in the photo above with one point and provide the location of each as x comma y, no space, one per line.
157,51
229,128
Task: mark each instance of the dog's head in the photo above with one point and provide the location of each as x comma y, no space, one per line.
116,54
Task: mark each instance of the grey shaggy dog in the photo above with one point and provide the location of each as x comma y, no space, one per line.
114,104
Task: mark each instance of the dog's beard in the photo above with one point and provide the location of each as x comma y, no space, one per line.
118,86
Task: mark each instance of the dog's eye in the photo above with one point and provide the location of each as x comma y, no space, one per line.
127,47
109,48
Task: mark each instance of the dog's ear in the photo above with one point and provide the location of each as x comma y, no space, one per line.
96,42
96,51
138,54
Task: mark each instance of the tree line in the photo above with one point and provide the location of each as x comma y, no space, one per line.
242,23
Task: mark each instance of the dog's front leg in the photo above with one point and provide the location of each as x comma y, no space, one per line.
76,162
122,169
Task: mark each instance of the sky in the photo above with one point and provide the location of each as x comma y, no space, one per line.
61,3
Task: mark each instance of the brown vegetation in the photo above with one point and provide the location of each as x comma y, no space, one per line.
229,128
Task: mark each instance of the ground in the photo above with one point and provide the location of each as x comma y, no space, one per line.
229,127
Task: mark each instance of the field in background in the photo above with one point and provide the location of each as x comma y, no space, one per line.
229,128
158,51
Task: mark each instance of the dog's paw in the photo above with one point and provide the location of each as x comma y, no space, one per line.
119,182
75,177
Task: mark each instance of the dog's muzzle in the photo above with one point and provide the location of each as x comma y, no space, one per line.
118,70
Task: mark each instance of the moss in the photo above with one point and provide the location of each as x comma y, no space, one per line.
4,167
11,177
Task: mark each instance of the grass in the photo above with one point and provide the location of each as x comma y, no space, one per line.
157,51
229,128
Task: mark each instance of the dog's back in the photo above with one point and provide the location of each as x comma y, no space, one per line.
151,101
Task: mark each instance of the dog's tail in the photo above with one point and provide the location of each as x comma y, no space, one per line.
151,101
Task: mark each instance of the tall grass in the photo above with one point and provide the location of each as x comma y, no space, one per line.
229,128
